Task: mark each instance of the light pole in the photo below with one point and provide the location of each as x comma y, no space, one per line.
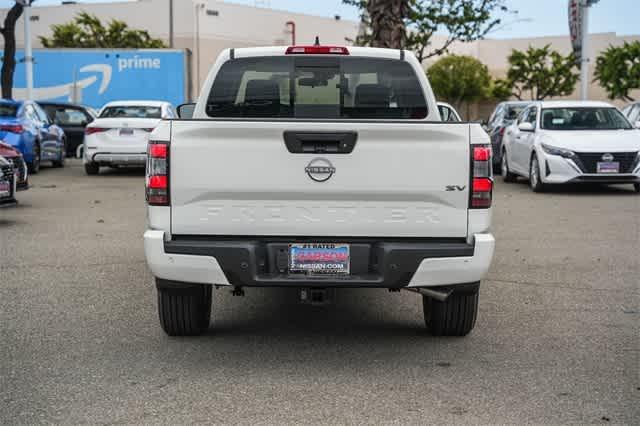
585,59
171,24
198,7
28,51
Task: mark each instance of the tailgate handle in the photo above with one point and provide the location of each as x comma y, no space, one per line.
320,142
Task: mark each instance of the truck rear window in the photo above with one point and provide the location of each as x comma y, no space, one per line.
317,87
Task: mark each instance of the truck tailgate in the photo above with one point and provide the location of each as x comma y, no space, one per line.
402,179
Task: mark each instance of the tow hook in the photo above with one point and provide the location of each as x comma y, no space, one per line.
435,294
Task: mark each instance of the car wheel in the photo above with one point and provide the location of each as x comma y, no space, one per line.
63,156
34,166
184,311
456,316
636,186
91,168
507,176
535,182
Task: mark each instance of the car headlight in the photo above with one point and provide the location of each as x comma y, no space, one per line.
552,150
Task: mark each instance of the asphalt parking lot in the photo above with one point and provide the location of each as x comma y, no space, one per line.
557,339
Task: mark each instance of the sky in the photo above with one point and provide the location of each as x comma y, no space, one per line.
535,18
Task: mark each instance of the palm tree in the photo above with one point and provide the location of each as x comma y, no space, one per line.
387,23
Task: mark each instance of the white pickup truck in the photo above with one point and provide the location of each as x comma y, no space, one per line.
317,168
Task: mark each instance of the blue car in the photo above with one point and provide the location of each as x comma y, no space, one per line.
25,126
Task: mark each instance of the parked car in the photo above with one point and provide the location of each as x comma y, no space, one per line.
73,119
565,142
7,183
447,112
501,118
632,112
118,137
25,126
348,180
15,158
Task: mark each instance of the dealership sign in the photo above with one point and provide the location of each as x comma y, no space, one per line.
576,16
97,76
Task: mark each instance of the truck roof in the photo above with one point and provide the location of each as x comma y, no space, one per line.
370,52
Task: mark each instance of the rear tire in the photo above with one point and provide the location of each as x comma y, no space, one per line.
507,176
91,168
184,311
456,316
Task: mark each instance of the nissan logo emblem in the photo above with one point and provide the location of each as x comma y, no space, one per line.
607,157
320,169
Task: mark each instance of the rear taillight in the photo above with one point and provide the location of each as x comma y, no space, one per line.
12,128
92,130
482,179
317,50
157,176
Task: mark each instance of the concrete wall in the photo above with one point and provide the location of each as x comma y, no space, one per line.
221,25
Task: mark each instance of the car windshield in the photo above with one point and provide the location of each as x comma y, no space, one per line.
589,118
8,110
317,87
131,111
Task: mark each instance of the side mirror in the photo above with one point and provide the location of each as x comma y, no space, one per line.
525,126
186,110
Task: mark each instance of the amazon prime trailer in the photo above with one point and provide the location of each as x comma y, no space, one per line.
96,76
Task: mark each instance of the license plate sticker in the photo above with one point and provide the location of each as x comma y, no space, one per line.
126,132
5,188
319,258
608,167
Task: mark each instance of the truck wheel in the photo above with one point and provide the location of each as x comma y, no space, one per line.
456,316
91,168
507,176
184,311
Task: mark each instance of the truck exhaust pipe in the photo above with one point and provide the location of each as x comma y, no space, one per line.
440,296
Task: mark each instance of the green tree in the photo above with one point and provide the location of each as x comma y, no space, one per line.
618,70
500,89
459,79
8,32
86,31
460,20
542,72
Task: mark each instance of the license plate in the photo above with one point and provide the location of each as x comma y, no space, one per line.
126,132
608,167
319,258
5,188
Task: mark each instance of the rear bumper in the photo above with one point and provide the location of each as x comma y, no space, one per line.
107,158
374,263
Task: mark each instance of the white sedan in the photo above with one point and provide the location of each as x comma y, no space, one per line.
119,136
558,142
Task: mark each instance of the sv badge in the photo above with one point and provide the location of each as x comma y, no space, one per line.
455,187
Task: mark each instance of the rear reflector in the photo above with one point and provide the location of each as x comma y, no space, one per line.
482,185
92,130
157,174
317,50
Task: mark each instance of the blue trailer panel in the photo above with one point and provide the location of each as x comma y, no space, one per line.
97,76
